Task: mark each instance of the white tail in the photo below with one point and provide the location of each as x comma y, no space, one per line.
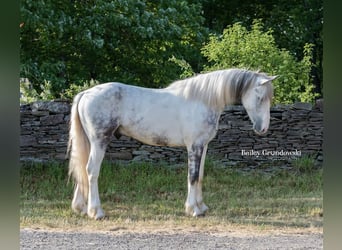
78,149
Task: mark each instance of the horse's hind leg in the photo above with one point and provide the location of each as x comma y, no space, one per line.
93,169
79,203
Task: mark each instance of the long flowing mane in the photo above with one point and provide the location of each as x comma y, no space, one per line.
219,88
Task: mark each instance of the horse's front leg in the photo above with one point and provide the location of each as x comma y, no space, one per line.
199,198
194,203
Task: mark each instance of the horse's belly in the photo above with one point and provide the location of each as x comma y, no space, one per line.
153,138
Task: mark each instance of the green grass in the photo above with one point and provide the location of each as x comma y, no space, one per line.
149,194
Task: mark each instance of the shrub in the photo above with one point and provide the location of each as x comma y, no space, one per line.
256,49
74,89
28,94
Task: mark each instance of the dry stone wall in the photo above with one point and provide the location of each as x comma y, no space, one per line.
295,131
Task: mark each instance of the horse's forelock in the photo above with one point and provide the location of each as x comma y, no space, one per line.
269,91
243,80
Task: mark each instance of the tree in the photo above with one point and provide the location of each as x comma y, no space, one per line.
69,42
256,49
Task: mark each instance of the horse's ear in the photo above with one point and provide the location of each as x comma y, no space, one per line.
268,79
273,77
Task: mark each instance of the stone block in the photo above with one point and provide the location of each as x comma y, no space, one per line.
27,140
39,113
302,105
52,119
120,156
51,106
140,152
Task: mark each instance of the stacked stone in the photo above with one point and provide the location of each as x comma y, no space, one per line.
44,131
293,128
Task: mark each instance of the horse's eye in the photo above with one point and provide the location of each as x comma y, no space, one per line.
260,99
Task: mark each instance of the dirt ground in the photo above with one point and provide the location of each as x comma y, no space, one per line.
169,239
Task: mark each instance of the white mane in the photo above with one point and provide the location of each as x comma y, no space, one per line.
216,89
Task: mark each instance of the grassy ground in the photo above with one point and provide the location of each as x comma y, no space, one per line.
149,195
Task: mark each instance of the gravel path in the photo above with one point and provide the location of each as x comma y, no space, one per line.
51,240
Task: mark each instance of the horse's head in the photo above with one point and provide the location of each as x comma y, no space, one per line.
257,102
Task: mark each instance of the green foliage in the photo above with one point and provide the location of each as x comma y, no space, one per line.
74,89
294,23
47,92
65,42
256,49
29,94
184,65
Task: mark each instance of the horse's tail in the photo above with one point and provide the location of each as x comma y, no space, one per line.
78,149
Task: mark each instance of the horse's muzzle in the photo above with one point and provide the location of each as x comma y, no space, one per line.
259,130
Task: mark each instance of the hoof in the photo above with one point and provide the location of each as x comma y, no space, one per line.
194,211
103,218
198,213
96,213
79,209
203,208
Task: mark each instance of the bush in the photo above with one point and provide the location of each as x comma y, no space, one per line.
74,89
28,94
256,49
